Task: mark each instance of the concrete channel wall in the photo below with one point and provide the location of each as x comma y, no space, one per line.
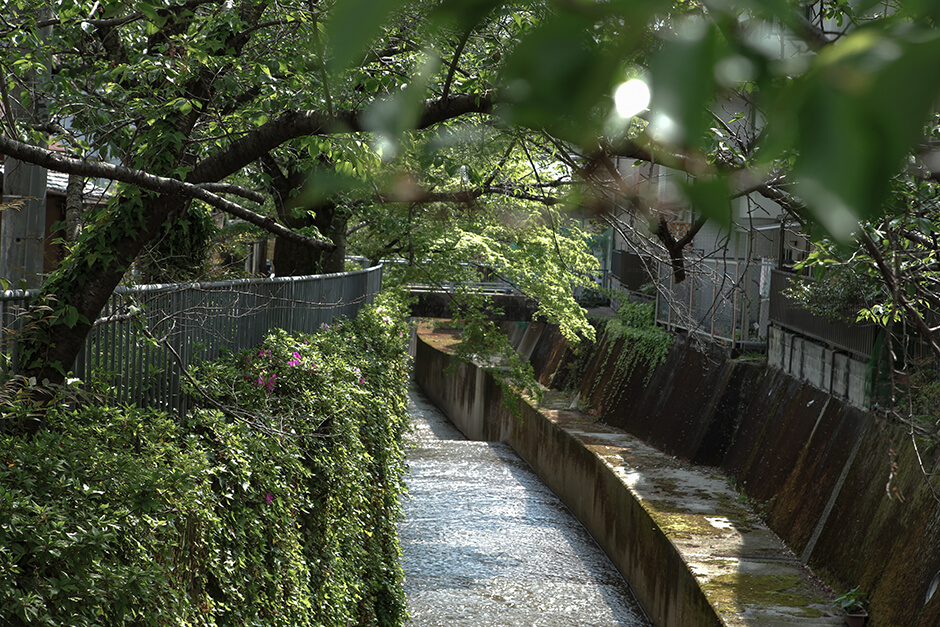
693,556
844,488
473,401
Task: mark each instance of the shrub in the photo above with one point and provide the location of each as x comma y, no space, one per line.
273,504
90,514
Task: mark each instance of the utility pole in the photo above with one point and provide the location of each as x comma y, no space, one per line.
23,223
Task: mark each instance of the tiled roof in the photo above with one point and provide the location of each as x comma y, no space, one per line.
56,183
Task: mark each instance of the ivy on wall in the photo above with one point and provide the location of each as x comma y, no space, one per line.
627,341
279,510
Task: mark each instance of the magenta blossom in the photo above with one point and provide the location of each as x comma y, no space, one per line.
268,498
295,361
358,373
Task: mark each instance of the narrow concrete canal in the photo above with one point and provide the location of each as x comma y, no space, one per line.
484,542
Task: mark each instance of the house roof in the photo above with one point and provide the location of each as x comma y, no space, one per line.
56,183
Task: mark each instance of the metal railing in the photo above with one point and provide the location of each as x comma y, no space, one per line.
724,300
146,335
790,315
481,287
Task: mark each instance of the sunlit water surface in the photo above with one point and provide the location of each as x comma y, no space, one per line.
486,543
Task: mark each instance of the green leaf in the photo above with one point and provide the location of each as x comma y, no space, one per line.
854,118
389,118
711,196
683,84
352,27
468,13
557,75
149,11
324,184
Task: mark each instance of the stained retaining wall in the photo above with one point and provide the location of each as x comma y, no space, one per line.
691,552
845,488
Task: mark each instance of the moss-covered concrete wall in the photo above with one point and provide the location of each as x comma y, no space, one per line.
817,468
471,398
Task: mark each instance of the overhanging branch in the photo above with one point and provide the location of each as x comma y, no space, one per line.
294,124
59,162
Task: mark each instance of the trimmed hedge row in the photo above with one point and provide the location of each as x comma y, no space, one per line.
275,503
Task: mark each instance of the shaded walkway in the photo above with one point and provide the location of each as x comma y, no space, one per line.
486,543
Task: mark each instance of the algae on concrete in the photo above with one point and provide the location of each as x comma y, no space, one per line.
774,593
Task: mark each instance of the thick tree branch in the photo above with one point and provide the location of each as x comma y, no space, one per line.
445,91
418,196
293,124
144,180
237,190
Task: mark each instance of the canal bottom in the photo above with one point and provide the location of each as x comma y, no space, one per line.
486,543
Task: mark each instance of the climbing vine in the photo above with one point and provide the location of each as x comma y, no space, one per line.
274,502
627,341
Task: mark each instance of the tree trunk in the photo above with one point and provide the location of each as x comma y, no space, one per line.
81,287
330,219
675,247
73,208
291,259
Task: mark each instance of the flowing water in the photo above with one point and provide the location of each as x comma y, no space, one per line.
485,543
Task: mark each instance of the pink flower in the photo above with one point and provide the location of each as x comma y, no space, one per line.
268,498
358,373
295,361
324,327
270,384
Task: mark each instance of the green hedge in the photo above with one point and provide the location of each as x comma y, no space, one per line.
280,509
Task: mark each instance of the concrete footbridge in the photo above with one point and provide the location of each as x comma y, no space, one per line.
504,301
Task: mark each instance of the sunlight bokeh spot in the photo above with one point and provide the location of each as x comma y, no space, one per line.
631,98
